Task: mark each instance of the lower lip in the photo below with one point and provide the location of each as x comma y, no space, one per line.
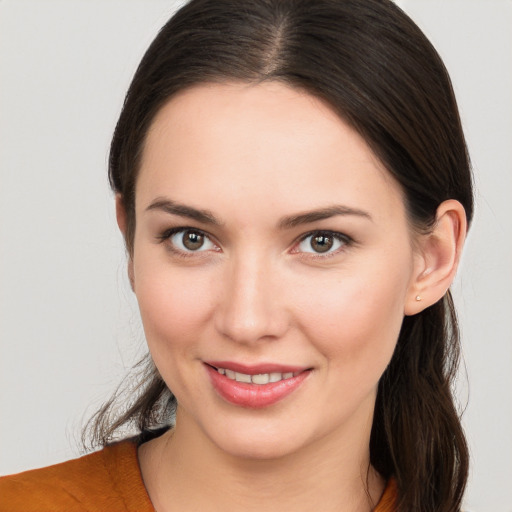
254,396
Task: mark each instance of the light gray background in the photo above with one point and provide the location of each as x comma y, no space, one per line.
68,324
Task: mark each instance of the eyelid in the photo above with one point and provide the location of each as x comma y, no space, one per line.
166,235
346,241
341,237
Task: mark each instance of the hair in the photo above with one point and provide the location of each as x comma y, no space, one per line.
375,68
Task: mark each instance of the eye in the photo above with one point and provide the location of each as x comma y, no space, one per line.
322,242
189,240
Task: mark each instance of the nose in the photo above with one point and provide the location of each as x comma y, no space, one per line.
251,307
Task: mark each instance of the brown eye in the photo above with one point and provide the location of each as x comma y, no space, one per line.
321,243
192,240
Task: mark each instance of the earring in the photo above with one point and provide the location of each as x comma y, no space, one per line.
418,298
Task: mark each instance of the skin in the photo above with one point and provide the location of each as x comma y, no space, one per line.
252,156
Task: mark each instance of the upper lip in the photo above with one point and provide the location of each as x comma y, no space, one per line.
256,369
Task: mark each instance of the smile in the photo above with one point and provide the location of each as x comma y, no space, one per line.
259,379
255,387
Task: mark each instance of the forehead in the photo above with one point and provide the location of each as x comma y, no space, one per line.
267,144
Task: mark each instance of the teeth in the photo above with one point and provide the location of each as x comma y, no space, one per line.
262,378
275,377
242,377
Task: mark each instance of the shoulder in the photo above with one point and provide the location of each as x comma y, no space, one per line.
389,498
109,479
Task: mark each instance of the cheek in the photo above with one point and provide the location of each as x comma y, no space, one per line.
355,320
174,304
175,312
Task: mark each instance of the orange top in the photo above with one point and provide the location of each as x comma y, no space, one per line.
107,480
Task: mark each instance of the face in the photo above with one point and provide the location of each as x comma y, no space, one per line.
272,263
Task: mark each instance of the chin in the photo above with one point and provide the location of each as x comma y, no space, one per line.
260,437
260,447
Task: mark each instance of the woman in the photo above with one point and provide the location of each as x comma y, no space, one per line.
294,190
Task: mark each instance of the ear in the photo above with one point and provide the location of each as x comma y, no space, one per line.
438,256
121,214
121,222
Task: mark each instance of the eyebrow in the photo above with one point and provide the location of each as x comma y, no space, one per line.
174,208
291,221
321,214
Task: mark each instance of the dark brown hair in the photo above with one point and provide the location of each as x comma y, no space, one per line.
377,70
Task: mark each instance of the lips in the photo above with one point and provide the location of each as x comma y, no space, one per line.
258,379
254,386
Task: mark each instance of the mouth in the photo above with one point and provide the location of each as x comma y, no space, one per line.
255,386
259,379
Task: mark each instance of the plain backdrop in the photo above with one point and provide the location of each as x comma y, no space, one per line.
69,326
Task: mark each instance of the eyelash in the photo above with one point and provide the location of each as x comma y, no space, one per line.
169,233
345,240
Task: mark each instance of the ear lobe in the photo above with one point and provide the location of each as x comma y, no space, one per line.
439,255
121,222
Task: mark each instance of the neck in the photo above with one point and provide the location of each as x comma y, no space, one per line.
184,470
